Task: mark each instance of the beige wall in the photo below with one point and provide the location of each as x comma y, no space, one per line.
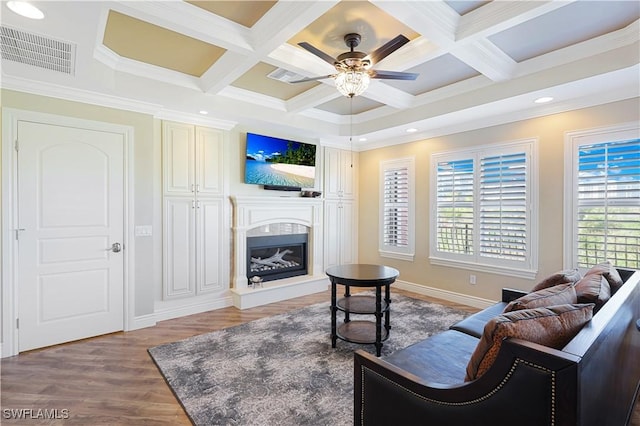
147,207
548,130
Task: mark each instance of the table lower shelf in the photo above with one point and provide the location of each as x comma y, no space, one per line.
361,304
363,332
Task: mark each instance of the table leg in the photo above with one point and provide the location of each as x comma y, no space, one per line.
378,321
347,293
334,310
387,299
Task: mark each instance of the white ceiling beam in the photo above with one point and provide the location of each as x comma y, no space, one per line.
192,21
284,20
435,20
271,32
486,58
498,16
586,49
312,98
299,61
388,95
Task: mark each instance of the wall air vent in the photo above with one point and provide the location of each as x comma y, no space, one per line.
284,76
37,51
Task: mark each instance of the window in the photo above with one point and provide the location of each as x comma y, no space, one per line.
397,209
481,203
455,206
604,195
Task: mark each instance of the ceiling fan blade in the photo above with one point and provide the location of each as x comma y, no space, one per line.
393,75
319,53
388,48
311,79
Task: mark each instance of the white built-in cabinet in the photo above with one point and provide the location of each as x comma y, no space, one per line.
193,198
340,173
340,207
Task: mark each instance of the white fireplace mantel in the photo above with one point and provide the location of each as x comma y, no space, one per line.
255,212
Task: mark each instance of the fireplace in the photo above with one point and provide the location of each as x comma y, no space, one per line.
274,257
290,224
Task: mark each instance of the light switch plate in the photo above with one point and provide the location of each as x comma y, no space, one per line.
144,231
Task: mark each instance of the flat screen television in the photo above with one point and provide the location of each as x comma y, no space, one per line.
279,163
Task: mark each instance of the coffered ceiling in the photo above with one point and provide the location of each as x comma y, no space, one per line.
479,62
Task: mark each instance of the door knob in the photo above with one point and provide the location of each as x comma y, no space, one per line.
116,247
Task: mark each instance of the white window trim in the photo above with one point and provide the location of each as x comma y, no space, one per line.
400,253
528,270
572,140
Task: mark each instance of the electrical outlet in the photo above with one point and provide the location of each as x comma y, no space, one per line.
472,279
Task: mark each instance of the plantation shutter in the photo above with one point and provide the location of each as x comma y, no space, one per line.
396,207
608,226
454,206
503,206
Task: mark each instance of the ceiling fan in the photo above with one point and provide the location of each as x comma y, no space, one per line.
354,68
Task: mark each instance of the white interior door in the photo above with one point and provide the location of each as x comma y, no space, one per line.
71,210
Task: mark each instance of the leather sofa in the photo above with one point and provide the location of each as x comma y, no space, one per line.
592,380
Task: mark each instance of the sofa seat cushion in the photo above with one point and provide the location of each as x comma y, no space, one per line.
473,325
441,358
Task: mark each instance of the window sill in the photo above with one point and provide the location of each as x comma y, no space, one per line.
399,256
479,267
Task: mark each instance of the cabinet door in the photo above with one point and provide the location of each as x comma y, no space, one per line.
348,232
332,170
209,164
332,232
209,244
178,158
179,246
348,165
339,173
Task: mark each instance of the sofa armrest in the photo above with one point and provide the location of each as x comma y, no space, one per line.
526,378
511,294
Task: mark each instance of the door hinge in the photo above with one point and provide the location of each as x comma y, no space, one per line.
17,322
18,233
17,145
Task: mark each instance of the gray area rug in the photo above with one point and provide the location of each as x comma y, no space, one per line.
281,370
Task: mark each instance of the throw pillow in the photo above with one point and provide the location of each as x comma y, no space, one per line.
610,273
593,288
557,295
553,326
561,277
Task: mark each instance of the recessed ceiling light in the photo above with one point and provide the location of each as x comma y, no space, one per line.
25,9
203,112
362,139
412,130
543,100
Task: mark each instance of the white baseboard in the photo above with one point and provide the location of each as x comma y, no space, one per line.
177,310
142,321
464,299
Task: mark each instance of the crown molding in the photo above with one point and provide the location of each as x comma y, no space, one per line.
77,95
195,119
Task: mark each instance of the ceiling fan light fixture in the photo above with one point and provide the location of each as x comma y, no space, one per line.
352,83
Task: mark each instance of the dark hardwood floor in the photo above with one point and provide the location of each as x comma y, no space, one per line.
111,380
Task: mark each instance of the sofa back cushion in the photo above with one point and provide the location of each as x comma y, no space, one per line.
593,288
553,326
610,273
561,277
558,295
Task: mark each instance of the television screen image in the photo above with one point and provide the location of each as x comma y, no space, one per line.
279,162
